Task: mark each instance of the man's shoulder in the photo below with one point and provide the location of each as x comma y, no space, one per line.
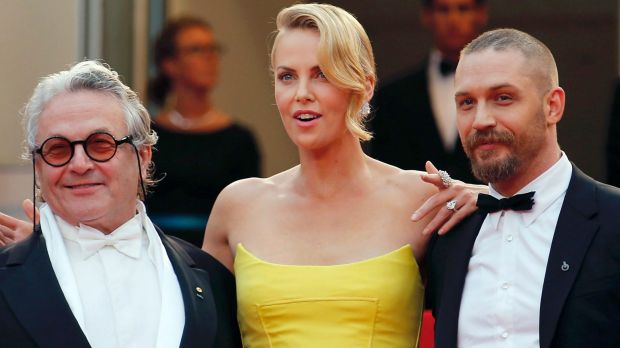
198,257
16,253
606,194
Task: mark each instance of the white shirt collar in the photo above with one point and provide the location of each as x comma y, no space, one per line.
434,59
549,186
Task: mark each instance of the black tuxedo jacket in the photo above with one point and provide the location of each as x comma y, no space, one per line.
580,307
35,313
405,132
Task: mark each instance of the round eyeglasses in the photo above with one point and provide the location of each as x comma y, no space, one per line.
99,147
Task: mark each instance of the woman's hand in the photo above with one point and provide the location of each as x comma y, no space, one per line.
13,230
465,195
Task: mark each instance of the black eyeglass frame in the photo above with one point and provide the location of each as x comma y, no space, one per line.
127,139
39,150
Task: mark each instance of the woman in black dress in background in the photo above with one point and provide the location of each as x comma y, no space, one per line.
200,149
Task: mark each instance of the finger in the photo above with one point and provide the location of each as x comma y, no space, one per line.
440,218
430,168
7,232
8,221
28,208
437,200
457,217
6,235
433,179
428,206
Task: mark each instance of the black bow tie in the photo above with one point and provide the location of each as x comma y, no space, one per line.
490,204
446,67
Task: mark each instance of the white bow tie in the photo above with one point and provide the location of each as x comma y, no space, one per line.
127,239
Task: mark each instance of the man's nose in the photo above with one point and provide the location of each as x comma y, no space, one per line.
483,118
80,162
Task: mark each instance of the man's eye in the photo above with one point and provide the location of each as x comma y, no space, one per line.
504,98
467,102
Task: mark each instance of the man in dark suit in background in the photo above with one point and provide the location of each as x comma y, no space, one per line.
96,272
415,120
539,266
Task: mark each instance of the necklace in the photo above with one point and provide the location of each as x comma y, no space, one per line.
186,123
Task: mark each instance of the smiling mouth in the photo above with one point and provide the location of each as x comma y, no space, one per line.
81,186
307,117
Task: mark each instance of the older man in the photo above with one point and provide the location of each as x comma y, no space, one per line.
540,267
96,272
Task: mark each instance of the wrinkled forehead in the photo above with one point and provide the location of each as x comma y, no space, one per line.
75,115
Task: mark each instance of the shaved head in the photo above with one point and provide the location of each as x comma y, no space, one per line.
539,63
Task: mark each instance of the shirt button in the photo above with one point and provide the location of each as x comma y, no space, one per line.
504,335
505,286
509,238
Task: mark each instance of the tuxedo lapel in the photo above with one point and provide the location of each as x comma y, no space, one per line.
574,231
34,295
200,315
456,252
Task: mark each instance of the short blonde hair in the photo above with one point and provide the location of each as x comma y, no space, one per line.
345,53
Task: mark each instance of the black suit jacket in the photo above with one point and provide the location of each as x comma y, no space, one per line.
405,132
579,307
35,313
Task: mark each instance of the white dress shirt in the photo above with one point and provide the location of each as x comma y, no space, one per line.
500,306
441,93
120,294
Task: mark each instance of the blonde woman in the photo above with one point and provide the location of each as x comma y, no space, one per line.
325,254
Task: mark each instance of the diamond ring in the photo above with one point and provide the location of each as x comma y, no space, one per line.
451,205
445,178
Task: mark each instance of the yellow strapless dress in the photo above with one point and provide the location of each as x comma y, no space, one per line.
372,303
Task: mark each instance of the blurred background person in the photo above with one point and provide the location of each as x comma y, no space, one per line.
415,117
201,149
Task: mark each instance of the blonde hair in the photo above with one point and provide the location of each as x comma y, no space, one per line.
345,53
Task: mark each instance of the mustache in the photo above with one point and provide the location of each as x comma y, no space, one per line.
492,136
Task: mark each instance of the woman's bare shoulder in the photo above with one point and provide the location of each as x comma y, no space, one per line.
250,190
405,181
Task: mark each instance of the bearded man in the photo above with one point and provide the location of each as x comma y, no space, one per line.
540,265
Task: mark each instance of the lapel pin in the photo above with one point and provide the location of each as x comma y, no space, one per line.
565,266
199,293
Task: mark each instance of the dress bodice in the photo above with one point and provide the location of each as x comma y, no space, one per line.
372,303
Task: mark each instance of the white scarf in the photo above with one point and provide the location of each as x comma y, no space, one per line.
172,316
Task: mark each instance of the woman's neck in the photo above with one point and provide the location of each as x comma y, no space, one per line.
337,168
192,103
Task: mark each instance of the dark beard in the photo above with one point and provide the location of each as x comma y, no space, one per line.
494,171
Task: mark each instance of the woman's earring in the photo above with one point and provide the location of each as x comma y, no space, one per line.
365,110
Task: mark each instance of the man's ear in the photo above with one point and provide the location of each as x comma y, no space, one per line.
146,153
554,105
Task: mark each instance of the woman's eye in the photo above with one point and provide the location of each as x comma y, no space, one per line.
285,76
321,75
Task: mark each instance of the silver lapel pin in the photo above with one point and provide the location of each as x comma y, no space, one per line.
565,266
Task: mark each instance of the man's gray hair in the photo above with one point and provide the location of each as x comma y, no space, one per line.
93,76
